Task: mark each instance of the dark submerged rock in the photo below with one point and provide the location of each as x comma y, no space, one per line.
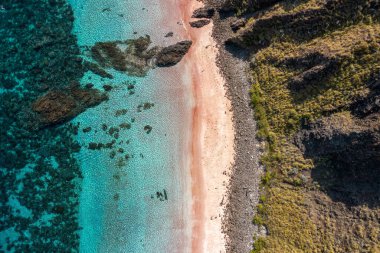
135,59
94,68
107,87
58,106
148,129
169,34
7,83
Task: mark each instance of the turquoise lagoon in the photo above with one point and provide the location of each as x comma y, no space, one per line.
119,209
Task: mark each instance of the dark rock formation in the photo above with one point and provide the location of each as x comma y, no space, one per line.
107,87
148,129
58,106
314,74
333,14
257,35
199,23
204,12
369,104
307,60
239,5
352,148
236,25
107,54
135,59
171,55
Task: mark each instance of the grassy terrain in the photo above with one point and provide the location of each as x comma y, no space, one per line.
288,207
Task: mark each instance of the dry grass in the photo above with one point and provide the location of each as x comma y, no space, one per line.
285,210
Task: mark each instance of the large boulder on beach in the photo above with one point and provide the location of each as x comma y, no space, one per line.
200,23
173,54
204,12
58,106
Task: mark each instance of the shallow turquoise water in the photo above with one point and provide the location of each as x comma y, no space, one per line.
119,207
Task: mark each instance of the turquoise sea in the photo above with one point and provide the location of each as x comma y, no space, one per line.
121,209
113,176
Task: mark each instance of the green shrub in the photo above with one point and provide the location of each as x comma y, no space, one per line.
258,245
266,178
258,220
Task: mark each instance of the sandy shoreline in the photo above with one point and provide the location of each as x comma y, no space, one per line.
243,187
213,138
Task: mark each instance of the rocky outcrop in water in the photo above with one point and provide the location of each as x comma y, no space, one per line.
173,54
137,58
169,34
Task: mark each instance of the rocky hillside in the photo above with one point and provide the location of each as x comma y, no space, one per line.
315,70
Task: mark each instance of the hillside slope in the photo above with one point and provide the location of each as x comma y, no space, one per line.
315,70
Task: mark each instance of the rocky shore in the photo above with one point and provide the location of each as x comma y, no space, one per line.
243,189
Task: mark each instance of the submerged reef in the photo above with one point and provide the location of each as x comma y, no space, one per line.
40,178
314,69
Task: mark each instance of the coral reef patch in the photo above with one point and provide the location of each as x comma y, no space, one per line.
40,177
58,106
